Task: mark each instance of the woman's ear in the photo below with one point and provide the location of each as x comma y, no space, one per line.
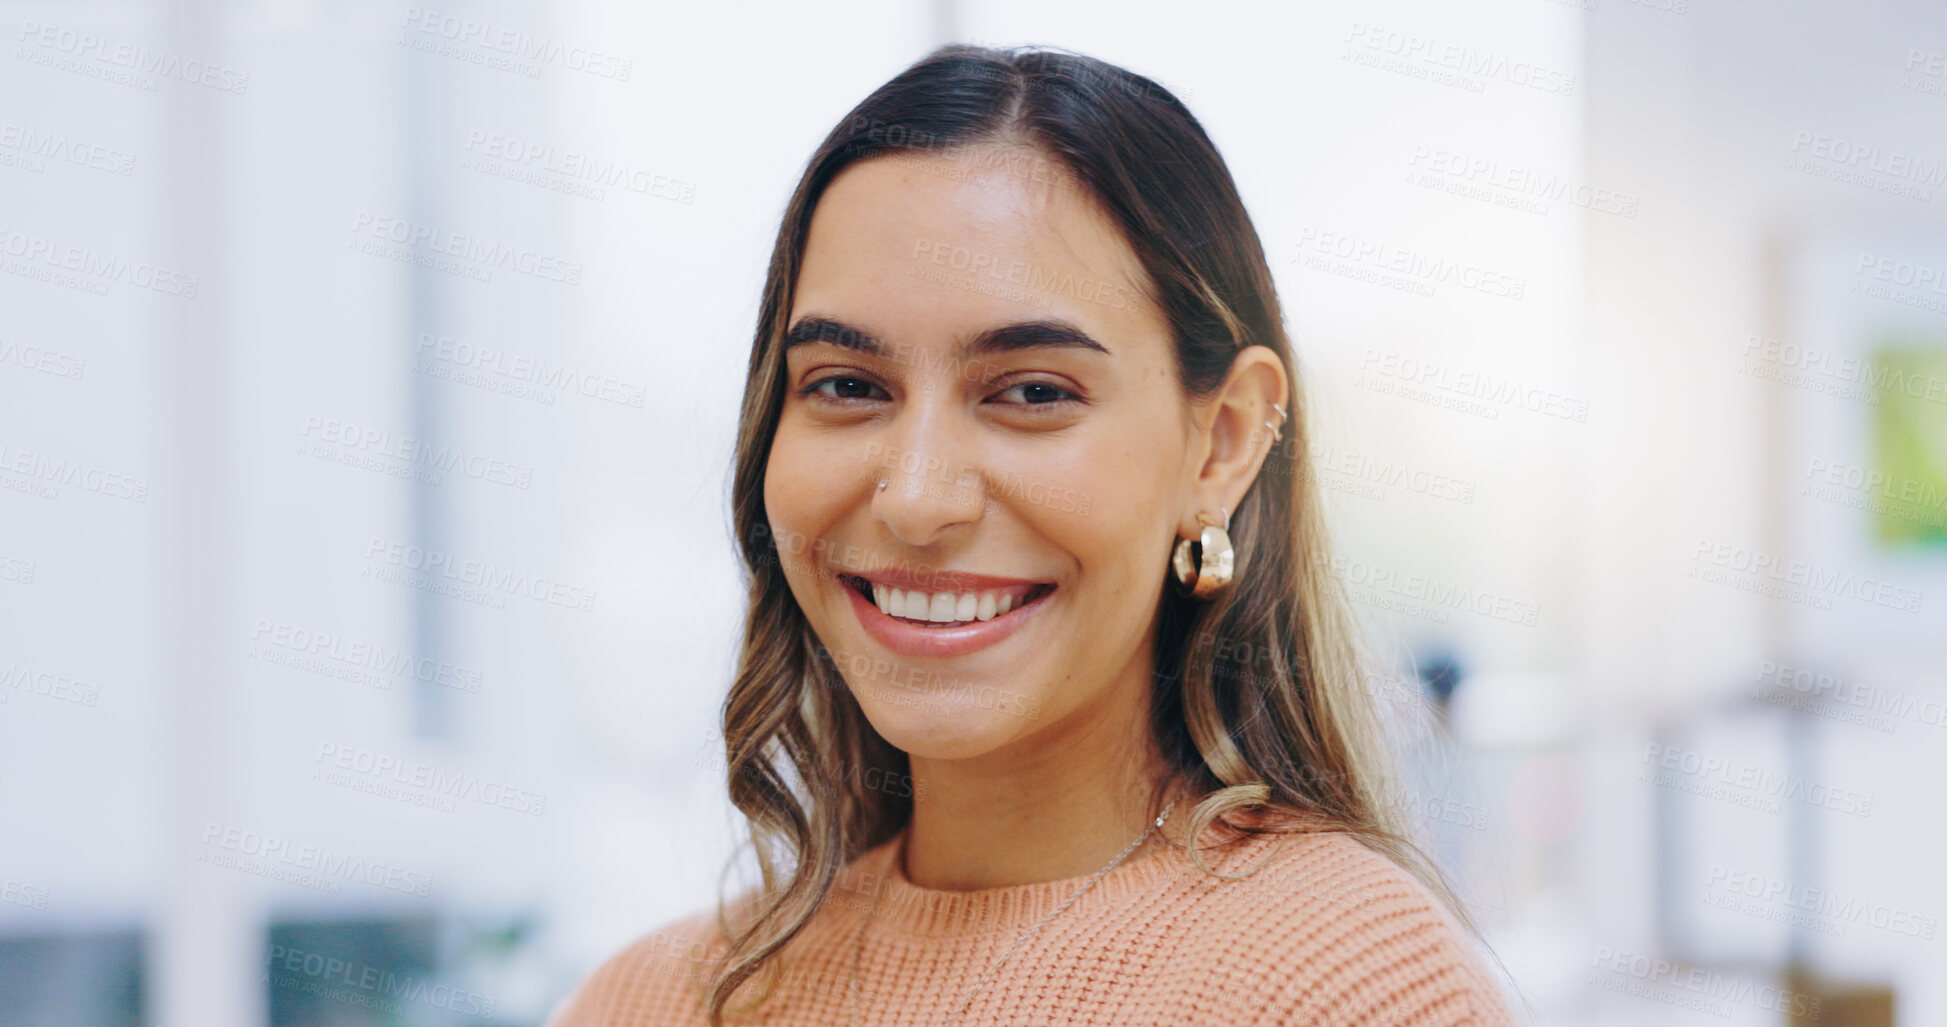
1239,425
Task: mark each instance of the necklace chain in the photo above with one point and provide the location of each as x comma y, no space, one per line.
853,988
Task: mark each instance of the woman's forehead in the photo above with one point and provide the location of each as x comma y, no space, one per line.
930,238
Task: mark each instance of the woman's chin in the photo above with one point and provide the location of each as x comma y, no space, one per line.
941,727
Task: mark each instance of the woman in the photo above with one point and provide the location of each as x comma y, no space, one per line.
1048,711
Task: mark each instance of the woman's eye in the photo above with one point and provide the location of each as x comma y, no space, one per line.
1036,394
842,388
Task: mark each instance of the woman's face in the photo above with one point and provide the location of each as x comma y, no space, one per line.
984,346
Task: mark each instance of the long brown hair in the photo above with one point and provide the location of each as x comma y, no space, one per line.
1259,704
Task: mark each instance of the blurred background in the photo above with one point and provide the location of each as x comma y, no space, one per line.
368,380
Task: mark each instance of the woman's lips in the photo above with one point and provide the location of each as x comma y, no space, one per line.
911,638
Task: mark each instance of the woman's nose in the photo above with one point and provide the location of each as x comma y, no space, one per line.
933,483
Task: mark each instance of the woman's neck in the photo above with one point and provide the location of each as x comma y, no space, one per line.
1057,805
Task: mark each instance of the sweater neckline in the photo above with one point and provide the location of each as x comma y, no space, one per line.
911,909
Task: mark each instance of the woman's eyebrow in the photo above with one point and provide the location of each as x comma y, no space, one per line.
838,333
1007,338
1028,334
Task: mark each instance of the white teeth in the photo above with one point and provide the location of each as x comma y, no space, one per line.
941,607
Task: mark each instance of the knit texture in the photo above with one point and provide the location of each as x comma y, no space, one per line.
1325,932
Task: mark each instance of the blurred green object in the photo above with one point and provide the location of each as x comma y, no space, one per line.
1910,445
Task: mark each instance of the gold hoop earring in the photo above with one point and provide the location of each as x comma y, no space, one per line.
1206,571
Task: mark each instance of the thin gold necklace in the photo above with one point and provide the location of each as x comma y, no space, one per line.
853,987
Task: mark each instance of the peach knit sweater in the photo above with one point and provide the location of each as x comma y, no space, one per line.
1327,932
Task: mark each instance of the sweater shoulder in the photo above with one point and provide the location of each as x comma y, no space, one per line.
657,978
1338,933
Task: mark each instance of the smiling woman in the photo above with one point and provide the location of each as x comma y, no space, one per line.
1015,483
